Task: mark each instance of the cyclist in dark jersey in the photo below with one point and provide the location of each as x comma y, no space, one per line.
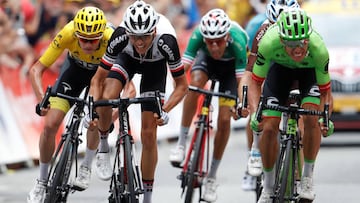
145,43
254,164
291,51
216,49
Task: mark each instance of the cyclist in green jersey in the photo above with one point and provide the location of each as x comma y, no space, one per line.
217,49
254,165
291,51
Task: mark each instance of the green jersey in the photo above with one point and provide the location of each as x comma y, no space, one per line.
271,50
236,47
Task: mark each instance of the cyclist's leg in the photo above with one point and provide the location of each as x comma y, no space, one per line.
198,78
149,155
311,143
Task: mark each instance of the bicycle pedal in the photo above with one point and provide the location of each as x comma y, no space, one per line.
305,201
76,188
176,164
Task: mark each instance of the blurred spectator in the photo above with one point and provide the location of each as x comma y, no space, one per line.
16,51
255,22
239,10
44,20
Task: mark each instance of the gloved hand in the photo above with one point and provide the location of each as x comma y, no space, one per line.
330,130
164,119
254,123
86,121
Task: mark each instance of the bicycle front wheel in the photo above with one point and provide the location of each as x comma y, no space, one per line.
192,174
132,198
284,172
57,190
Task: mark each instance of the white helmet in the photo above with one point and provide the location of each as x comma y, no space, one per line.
140,18
273,10
215,24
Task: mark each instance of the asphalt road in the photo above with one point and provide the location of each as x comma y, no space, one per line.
337,177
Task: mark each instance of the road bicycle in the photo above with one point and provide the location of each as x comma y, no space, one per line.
289,164
59,185
196,163
126,183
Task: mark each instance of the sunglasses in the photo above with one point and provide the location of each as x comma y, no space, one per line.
217,41
295,43
91,40
142,37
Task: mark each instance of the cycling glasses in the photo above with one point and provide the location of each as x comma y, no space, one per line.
217,41
294,43
142,37
92,40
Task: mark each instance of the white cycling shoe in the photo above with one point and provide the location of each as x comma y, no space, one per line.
82,181
254,164
103,166
37,194
177,155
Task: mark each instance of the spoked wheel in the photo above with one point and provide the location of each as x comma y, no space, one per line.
192,175
58,187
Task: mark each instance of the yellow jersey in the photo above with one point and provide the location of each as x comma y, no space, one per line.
66,39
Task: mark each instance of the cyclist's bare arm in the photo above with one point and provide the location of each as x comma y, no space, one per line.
97,83
181,88
254,93
35,75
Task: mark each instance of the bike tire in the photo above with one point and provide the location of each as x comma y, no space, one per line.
191,174
285,172
132,198
259,186
60,175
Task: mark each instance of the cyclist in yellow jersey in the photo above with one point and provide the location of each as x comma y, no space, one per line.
85,38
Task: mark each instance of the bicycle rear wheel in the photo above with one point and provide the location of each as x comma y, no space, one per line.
58,187
192,174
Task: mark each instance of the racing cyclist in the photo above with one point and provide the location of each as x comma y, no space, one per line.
85,38
254,164
216,49
291,51
145,43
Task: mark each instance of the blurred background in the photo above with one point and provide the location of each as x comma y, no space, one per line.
28,26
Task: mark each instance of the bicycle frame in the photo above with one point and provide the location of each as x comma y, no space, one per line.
289,164
58,186
126,183
196,163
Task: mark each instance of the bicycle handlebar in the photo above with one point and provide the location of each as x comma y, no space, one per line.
115,103
294,109
44,102
207,92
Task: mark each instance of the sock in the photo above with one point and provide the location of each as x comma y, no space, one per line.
184,131
89,156
104,145
213,168
148,187
256,136
308,168
44,171
269,179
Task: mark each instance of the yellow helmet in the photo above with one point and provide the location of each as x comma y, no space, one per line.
90,21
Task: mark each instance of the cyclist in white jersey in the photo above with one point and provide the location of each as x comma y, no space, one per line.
144,43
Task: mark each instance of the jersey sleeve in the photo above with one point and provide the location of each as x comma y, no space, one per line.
116,44
58,45
253,52
264,54
194,44
239,46
169,48
321,61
